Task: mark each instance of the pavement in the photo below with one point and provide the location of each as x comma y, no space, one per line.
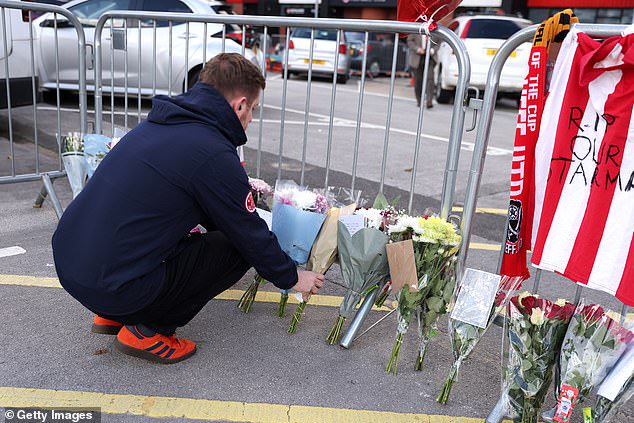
248,368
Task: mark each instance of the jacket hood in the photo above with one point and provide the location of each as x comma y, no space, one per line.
201,104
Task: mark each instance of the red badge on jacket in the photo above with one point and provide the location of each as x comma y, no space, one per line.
249,204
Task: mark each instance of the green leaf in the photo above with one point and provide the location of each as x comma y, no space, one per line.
435,304
380,202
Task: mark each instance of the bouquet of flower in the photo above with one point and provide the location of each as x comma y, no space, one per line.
261,192
593,344
298,215
74,161
362,259
323,254
465,336
616,389
605,410
435,246
536,330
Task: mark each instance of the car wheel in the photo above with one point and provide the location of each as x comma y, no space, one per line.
342,79
374,69
194,74
442,96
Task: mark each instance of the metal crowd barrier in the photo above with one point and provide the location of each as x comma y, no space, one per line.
179,78
482,141
34,168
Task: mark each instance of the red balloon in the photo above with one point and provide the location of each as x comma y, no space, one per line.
425,10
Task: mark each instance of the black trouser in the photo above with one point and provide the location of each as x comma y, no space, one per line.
418,80
208,265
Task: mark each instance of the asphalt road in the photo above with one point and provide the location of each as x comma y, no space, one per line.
250,358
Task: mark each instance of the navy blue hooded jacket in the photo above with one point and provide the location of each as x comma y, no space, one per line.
174,170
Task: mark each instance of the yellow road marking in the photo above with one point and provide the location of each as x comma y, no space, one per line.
231,294
202,409
486,210
483,246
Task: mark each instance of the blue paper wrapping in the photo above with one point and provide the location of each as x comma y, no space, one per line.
296,230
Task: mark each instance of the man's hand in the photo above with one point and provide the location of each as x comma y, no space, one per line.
308,282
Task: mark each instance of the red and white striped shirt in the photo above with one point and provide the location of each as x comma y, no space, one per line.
583,224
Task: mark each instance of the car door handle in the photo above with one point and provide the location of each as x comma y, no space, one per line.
184,36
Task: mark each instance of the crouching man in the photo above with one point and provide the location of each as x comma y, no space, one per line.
123,247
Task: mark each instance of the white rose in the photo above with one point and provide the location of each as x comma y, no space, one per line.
537,316
561,302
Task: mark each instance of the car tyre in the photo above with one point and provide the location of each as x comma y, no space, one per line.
442,96
342,79
194,74
374,69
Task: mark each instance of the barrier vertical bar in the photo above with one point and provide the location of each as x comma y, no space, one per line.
125,77
154,57
388,121
307,108
7,77
224,36
186,56
112,74
139,68
57,96
359,111
423,99
34,95
283,111
332,108
169,69
205,44
244,39
261,108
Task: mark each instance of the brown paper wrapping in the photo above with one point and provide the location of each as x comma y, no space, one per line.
400,256
324,252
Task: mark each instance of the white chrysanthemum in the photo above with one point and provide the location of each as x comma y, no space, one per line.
304,200
403,224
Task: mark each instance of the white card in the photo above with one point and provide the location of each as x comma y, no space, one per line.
619,375
267,216
477,293
354,223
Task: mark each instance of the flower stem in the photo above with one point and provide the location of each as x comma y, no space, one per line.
422,352
281,309
297,316
396,350
381,299
443,397
333,336
248,297
529,412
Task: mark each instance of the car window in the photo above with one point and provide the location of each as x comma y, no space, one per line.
499,29
170,6
320,34
90,11
354,37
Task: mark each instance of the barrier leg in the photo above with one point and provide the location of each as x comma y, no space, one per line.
497,414
48,186
359,318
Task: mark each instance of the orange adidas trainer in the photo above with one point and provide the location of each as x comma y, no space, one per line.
158,348
105,326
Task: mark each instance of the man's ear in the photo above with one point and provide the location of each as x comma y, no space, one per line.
239,104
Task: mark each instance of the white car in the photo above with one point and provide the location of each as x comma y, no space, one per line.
88,13
483,35
325,50
18,56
